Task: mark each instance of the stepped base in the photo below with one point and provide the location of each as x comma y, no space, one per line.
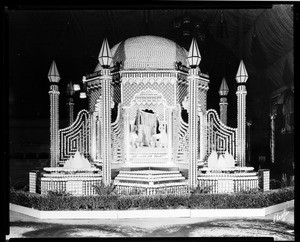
150,182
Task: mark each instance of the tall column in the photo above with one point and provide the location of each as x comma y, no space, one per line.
70,103
241,93
272,138
105,60
106,125
223,91
54,78
193,130
194,59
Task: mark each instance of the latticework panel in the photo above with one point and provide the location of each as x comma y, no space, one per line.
76,137
94,95
202,98
117,138
166,89
181,137
116,93
182,92
219,136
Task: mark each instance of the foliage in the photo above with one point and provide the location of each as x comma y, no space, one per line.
284,180
64,201
105,190
58,193
201,189
251,191
292,181
275,184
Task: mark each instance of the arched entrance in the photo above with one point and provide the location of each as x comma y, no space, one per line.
148,130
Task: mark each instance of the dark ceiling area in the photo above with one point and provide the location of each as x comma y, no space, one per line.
262,36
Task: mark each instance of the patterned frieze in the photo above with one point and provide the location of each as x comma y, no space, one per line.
131,87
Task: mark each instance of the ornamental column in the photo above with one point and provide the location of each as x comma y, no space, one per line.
54,78
272,138
241,78
105,60
194,59
70,103
223,92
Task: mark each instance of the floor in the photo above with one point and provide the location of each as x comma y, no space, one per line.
282,228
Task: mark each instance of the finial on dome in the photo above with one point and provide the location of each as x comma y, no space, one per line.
105,57
241,75
194,56
53,74
223,91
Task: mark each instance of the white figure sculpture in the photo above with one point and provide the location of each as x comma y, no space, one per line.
229,160
221,162
212,160
77,162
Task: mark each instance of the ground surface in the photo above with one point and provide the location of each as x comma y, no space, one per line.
22,226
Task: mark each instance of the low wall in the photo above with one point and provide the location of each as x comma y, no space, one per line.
153,213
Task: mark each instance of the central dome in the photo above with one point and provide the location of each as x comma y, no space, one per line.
148,52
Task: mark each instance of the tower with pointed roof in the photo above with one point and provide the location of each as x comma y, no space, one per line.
105,79
241,78
223,92
194,59
54,79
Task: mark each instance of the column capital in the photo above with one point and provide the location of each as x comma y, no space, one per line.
105,72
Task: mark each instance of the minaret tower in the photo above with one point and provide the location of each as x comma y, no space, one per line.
105,60
70,103
54,78
241,78
223,91
194,59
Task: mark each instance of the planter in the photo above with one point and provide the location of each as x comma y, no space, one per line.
153,213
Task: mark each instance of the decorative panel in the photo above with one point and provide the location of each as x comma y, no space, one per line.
76,137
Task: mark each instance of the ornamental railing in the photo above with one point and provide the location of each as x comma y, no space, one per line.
220,137
76,137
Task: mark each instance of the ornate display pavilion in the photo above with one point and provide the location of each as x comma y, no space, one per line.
148,81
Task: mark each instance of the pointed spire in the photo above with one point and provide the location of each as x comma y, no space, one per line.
104,57
223,91
194,56
241,75
53,74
